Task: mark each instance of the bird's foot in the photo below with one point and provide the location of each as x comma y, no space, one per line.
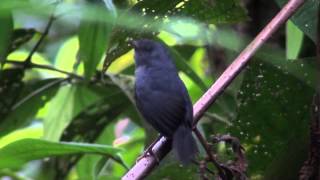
149,152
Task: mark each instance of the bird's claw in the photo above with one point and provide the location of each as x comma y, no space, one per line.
148,152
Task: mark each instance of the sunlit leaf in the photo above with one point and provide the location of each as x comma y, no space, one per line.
35,132
67,57
183,66
93,40
37,58
17,153
294,39
68,102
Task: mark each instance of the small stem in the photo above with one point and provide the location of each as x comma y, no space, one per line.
47,67
208,151
217,118
36,92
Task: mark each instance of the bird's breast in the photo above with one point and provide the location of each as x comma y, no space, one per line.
151,79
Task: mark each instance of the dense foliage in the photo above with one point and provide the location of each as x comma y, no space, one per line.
67,76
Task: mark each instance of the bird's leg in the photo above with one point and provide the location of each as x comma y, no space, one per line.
149,151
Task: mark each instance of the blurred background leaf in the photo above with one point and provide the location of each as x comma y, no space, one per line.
14,156
6,31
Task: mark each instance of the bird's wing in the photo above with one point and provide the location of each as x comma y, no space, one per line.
164,112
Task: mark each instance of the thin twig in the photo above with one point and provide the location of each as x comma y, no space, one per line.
217,118
36,92
42,37
46,67
146,165
207,169
208,151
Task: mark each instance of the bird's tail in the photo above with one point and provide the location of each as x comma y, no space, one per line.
184,145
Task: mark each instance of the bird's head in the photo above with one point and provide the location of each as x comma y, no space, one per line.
148,52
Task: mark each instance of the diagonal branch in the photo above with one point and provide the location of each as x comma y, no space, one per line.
42,37
142,168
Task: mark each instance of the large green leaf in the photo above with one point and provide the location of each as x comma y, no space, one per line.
6,29
306,17
93,39
17,153
273,110
34,131
68,103
89,124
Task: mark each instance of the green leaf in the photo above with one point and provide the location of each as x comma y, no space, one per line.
67,57
93,40
294,39
90,123
69,102
183,66
306,17
6,29
34,132
273,110
22,151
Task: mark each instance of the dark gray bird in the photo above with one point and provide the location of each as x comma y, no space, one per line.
162,98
